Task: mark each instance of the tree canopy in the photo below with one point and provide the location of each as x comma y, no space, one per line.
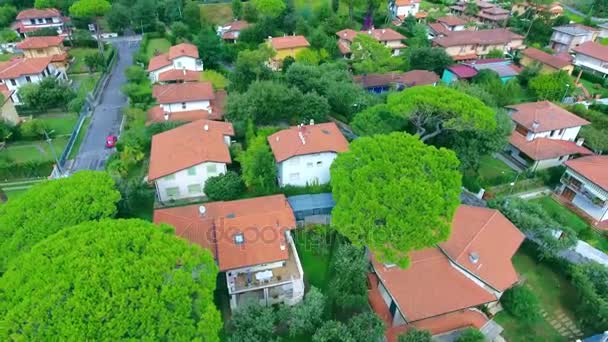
426,58
552,87
271,8
50,206
395,194
90,8
369,55
111,280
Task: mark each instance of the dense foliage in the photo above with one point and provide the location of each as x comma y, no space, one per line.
225,187
415,335
521,303
553,87
591,281
471,335
348,288
47,94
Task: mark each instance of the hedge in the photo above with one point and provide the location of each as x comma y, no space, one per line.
32,169
591,77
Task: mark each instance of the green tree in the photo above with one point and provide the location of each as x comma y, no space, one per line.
209,47
595,138
33,129
432,59
521,303
415,335
332,331
250,66
252,323
369,56
8,36
136,74
7,15
495,53
237,7
225,187
50,206
110,280
94,62
471,9
179,31
48,93
471,335
92,8
258,165
270,8
377,204
307,316
366,326
119,17
308,56
351,8
348,286
590,280
552,87
378,119
192,15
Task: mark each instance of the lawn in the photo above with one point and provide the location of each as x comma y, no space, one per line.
573,17
493,171
565,216
85,83
61,124
80,138
6,56
78,65
157,46
592,89
216,13
553,290
25,151
315,256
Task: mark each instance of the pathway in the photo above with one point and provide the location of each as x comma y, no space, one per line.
563,324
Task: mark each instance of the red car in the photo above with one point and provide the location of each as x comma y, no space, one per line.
111,141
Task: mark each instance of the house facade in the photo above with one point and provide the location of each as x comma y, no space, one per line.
488,13
404,8
585,185
567,37
187,101
545,135
182,159
387,36
19,71
548,63
470,45
35,47
593,57
304,153
180,57
257,270
287,46
231,31
465,71
33,19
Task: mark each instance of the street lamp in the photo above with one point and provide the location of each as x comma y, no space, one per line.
49,140
565,92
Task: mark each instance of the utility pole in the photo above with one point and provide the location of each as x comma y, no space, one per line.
49,140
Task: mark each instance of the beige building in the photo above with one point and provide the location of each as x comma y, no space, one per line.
549,63
8,112
468,45
52,46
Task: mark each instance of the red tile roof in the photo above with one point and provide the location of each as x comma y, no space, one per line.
262,220
289,42
189,145
463,71
546,114
452,20
545,58
40,42
594,50
347,34
481,37
34,13
23,66
439,28
156,113
183,92
62,57
442,324
180,50
179,75
594,168
385,34
545,148
236,25
325,137
406,2
410,78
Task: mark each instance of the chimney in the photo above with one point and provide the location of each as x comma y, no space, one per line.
529,136
312,122
202,210
474,257
206,127
535,124
184,71
302,138
580,141
369,31
277,138
166,115
383,31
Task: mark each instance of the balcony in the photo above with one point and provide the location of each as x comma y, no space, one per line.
572,183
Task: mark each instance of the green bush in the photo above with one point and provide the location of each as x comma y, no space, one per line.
291,190
471,335
415,335
32,169
32,129
471,183
591,281
521,303
224,187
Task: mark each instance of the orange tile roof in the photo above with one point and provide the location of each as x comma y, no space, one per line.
289,42
492,237
40,42
545,148
175,51
62,57
594,50
189,145
157,114
23,66
262,220
548,115
594,168
325,137
179,75
441,324
452,20
545,58
34,13
236,25
406,2
183,92
482,37
385,34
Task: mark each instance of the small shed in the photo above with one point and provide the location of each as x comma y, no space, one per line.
306,206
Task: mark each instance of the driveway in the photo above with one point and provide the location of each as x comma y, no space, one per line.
107,116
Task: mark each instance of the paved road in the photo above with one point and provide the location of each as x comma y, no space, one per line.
107,115
579,13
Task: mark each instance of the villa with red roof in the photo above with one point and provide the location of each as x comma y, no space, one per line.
50,46
304,153
545,135
549,63
387,36
443,287
20,71
592,56
401,9
252,245
445,25
231,31
183,56
585,185
286,46
33,19
187,101
469,45
183,158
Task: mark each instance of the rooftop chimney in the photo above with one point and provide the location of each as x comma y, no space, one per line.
580,141
277,138
474,257
206,127
535,124
202,210
312,122
166,115
529,136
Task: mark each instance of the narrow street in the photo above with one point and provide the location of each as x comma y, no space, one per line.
107,116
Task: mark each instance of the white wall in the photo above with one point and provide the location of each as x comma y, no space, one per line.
597,212
547,163
177,107
300,170
35,78
182,180
591,63
180,63
568,134
407,10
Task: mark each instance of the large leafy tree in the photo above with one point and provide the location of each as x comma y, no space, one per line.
50,206
395,194
369,56
270,8
426,58
591,281
92,8
378,119
258,166
7,15
307,316
209,47
348,287
253,323
111,280
552,87
250,66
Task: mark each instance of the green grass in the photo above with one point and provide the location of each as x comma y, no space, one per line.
315,259
493,171
592,89
6,56
573,17
87,82
160,45
78,65
603,41
22,152
80,138
565,216
62,125
216,13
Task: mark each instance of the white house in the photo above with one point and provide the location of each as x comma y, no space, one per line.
592,56
403,8
264,270
585,185
567,37
34,19
181,97
545,135
20,71
231,31
182,56
304,153
182,159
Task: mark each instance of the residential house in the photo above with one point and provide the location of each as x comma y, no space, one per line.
567,37
548,63
8,113
555,9
183,158
304,153
52,46
401,9
445,25
444,286
488,13
505,69
252,245
469,45
181,57
20,71
387,36
188,101
231,31
585,185
381,83
33,19
592,56
286,46
178,76
544,136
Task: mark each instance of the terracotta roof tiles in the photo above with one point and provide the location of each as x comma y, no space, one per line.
179,50
484,37
545,58
34,13
183,92
40,42
545,148
23,66
452,20
594,168
325,137
593,49
289,42
179,75
546,114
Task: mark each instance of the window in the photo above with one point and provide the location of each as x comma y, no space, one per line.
169,177
294,176
192,171
554,133
13,82
194,189
561,131
211,168
183,105
28,79
309,164
179,64
41,51
172,192
319,163
239,238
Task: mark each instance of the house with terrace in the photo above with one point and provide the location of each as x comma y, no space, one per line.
593,57
180,57
231,31
470,45
488,13
445,286
252,245
444,25
183,158
34,19
401,9
34,47
19,71
567,37
585,186
304,153
188,101
549,63
387,36
381,83
545,135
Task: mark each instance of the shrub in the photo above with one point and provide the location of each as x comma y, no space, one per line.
32,129
521,303
471,335
415,335
591,281
471,183
224,187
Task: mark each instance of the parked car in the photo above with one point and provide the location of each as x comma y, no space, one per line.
111,141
